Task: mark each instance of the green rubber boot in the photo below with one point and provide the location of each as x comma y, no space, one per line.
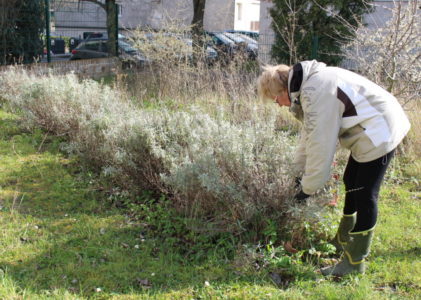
346,224
355,251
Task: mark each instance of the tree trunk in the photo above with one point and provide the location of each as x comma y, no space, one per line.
111,10
197,29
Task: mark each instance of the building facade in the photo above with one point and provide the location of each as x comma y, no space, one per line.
247,15
219,14
71,18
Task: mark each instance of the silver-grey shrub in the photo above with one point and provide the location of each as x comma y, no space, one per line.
213,168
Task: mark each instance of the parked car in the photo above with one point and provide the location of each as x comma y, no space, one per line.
244,42
225,47
211,54
98,48
219,39
244,37
252,34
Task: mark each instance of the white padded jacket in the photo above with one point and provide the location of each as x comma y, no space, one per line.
335,103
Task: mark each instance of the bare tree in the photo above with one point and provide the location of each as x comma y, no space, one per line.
390,55
289,32
197,27
312,28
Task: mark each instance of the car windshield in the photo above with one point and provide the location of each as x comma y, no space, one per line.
90,45
235,37
224,39
247,38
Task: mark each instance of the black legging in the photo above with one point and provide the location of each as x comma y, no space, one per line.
362,184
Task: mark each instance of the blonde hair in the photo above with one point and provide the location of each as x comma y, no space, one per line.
272,82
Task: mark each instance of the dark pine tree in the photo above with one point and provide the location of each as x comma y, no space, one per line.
23,23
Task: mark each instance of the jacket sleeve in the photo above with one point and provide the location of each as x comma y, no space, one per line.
299,162
322,121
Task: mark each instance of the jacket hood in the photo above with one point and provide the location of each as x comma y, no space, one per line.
298,74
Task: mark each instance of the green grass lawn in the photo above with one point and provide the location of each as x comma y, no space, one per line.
61,238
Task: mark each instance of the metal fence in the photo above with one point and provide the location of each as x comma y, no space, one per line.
73,21
266,41
48,30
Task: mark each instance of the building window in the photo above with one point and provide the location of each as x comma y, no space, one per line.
239,11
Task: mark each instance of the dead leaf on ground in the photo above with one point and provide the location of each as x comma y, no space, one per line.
288,247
